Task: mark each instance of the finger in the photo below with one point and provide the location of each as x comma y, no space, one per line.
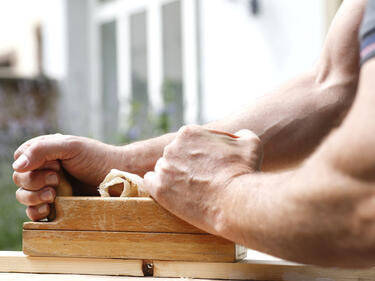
43,150
34,198
20,150
24,146
51,165
160,164
39,212
35,180
152,184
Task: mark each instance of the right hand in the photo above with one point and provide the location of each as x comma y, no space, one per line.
39,160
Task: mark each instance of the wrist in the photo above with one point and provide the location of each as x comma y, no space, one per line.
138,158
238,208
262,207
126,158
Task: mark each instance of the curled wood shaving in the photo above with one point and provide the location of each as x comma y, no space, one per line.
122,184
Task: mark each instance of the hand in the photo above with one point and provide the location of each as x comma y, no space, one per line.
39,160
192,178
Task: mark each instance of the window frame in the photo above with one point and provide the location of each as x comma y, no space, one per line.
119,11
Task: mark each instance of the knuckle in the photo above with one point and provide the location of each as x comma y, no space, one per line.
183,129
19,194
168,151
188,130
25,198
161,168
33,180
28,198
16,153
37,212
32,213
71,143
164,168
37,146
16,178
157,166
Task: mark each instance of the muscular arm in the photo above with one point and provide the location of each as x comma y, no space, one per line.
292,120
323,212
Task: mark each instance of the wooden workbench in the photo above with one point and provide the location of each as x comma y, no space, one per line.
71,277
16,266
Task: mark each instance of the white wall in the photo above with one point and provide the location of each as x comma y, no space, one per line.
244,56
18,22
55,41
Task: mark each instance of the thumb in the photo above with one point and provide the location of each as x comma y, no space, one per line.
42,151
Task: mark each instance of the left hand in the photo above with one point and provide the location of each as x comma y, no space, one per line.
192,178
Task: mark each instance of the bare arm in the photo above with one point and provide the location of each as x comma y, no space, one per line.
324,212
321,213
292,120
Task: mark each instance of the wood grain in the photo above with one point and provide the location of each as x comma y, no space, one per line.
129,245
70,277
18,262
113,214
255,269
259,270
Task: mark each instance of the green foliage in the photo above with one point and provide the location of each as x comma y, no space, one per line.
144,122
12,213
27,109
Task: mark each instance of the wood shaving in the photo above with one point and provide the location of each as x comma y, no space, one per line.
122,184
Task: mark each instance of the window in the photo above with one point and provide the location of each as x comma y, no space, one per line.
141,50
139,74
172,65
109,79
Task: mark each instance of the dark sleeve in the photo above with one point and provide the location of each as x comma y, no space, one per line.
367,33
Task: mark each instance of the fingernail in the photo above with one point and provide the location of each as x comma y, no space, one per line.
42,209
47,196
21,162
51,179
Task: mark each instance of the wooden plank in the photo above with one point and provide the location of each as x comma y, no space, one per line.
258,270
130,245
70,277
65,277
18,262
261,269
113,214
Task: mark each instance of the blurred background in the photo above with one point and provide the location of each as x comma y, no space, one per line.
123,70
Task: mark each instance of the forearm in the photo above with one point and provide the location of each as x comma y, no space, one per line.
291,121
310,215
322,212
